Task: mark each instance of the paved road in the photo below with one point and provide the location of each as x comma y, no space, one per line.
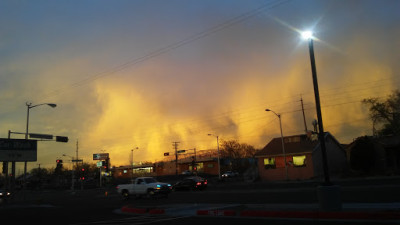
94,207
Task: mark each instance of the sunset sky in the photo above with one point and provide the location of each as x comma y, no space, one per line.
127,74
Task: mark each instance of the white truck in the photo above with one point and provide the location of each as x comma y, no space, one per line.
144,186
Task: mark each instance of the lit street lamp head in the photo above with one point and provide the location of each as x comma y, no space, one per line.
307,34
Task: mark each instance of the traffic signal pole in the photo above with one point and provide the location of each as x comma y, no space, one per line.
100,175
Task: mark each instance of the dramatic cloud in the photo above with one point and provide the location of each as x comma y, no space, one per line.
124,75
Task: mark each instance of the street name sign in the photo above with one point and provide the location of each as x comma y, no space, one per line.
100,156
41,136
18,150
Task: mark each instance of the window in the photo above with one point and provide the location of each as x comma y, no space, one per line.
299,160
292,139
269,163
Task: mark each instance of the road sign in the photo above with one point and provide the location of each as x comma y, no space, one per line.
180,151
77,160
166,154
18,150
100,156
41,136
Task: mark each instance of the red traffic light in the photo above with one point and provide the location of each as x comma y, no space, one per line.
59,161
83,169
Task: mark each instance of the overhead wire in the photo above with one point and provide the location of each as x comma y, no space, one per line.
219,27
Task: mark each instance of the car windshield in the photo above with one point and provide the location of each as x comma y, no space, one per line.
150,180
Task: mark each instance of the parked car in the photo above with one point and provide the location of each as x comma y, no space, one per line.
187,172
4,195
229,174
191,183
144,186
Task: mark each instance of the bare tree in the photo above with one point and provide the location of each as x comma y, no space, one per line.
385,113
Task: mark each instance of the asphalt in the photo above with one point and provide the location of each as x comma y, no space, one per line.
383,213
377,212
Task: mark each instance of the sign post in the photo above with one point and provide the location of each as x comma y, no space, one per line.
101,156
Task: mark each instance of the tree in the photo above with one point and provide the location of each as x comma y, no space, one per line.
362,155
236,151
385,113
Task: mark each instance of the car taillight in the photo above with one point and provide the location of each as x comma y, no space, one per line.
198,183
205,182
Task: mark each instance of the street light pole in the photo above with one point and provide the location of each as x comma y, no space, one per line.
329,196
29,106
132,163
219,164
283,144
321,133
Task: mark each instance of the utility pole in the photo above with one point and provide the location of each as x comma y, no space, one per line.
175,145
77,149
304,115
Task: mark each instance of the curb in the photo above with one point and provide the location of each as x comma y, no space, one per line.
152,211
384,215
346,215
216,212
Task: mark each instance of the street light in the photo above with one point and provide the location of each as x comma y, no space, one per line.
309,36
219,165
29,106
132,163
283,145
328,194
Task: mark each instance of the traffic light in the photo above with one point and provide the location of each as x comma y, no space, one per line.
107,164
59,165
61,139
82,175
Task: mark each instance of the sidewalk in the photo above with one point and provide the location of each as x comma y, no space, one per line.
377,212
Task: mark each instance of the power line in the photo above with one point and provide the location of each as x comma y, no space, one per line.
227,24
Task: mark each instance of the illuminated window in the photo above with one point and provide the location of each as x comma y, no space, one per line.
269,163
299,160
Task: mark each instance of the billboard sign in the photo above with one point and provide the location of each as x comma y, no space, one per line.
100,156
18,150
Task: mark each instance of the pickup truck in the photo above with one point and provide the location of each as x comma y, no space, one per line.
144,186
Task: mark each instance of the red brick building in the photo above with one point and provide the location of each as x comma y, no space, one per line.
303,158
